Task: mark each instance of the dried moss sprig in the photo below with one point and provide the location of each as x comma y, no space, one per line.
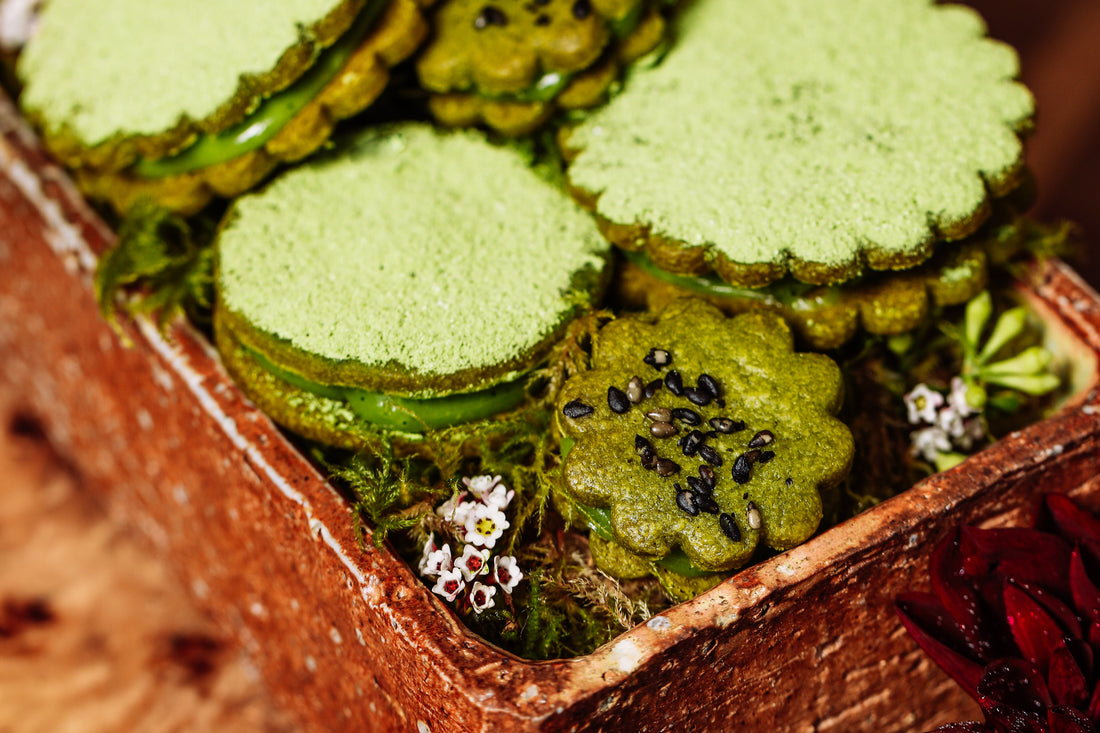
167,260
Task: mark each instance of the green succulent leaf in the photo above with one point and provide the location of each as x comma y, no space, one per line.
1010,325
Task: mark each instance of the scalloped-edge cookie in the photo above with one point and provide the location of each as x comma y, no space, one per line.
510,64
204,110
421,300
704,433
805,138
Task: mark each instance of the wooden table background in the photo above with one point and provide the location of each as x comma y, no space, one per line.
96,636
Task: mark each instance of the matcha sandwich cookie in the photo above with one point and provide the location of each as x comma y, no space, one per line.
179,101
806,143
410,283
695,437
509,64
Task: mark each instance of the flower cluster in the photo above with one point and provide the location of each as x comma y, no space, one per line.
474,518
1014,617
950,424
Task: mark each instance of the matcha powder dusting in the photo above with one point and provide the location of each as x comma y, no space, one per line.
432,252
809,136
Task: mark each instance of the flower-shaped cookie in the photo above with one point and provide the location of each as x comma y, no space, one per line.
511,63
704,432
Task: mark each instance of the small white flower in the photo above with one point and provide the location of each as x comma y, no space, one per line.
438,562
449,585
950,421
485,525
481,596
500,497
957,398
929,443
473,562
456,511
480,486
506,572
922,404
429,548
973,432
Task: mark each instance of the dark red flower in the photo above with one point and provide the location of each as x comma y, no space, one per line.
1014,617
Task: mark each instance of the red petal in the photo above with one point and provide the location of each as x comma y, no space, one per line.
1064,719
1073,522
928,623
1065,679
956,592
1062,614
1013,696
1025,555
964,728
1086,596
1035,632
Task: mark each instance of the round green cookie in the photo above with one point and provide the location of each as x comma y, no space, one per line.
705,433
407,283
181,100
815,138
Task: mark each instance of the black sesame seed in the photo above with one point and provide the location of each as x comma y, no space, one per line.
542,20
660,414
710,385
663,430
710,455
490,15
658,358
693,442
745,496
686,501
652,388
686,416
582,9
697,485
665,467
617,401
641,443
742,469
729,527
761,439
675,383
576,409
766,456
649,459
790,481
706,503
698,396
634,389
706,473
752,455
712,434
726,425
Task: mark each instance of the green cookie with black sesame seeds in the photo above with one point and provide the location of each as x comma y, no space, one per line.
509,64
704,433
423,297
182,100
805,138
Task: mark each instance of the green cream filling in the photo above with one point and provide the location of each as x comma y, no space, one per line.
550,85
265,122
787,292
407,414
599,521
